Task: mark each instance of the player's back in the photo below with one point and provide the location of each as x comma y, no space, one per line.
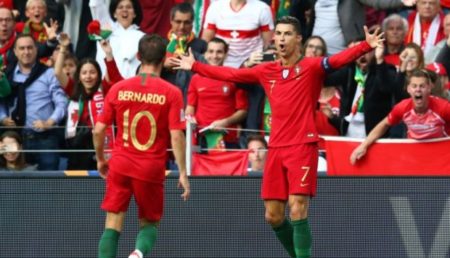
142,106
145,109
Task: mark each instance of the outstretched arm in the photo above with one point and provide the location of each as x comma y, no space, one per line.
374,135
223,73
351,54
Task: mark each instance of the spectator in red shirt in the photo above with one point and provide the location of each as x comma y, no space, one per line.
217,103
425,116
425,25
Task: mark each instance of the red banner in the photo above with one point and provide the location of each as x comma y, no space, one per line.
232,163
389,157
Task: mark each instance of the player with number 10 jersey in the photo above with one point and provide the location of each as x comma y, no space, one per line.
145,109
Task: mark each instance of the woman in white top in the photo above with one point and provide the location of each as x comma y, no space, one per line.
122,18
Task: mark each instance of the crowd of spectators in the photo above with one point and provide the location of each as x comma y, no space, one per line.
54,76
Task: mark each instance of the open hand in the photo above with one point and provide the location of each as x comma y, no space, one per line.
184,62
374,39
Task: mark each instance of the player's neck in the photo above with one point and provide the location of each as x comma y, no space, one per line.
155,71
291,59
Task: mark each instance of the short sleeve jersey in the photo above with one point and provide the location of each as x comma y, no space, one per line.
292,91
433,123
145,109
241,29
214,100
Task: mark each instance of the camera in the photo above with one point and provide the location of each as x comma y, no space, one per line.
268,57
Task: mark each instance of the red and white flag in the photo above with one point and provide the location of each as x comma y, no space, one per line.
388,157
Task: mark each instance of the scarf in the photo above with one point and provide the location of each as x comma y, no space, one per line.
433,35
95,108
178,44
6,47
200,8
37,30
358,100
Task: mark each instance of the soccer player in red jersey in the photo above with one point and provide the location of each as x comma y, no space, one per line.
292,85
149,116
425,116
217,103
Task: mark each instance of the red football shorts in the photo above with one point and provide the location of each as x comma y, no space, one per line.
290,170
149,196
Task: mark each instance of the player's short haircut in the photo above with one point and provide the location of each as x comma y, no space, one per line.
258,138
292,21
152,49
220,41
420,73
182,8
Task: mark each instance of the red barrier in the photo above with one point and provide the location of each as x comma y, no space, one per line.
389,157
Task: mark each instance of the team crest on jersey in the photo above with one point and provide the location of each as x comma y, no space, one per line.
225,89
285,73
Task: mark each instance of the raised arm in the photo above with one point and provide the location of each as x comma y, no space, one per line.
223,73
351,54
64,42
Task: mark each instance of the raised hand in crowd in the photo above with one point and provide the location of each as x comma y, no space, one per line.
404,59
106,47
379,54
51,29
64,43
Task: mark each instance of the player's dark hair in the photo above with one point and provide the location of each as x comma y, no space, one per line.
152,49
292,21
182,8
220,41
